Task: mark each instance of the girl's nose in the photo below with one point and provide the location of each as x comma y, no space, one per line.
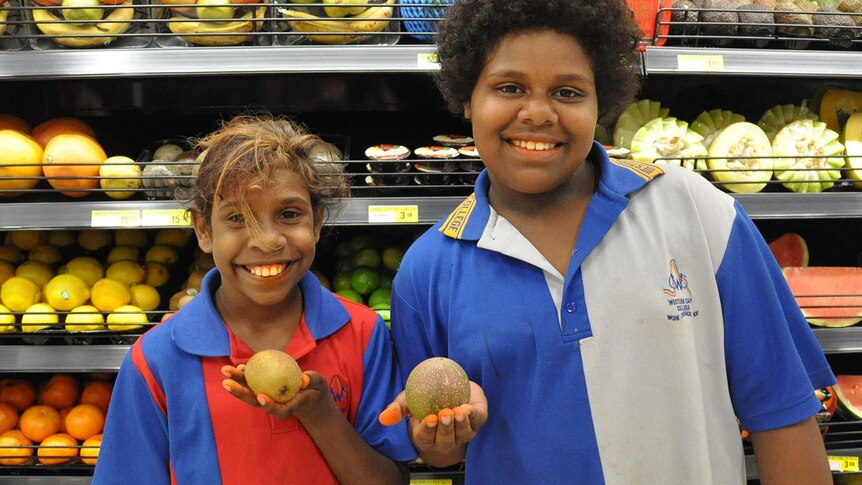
270,238
537,110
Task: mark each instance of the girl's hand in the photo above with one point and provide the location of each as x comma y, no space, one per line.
305,405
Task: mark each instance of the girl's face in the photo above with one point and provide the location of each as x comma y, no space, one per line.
265,270
534,110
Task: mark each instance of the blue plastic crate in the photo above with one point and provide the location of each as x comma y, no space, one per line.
429,9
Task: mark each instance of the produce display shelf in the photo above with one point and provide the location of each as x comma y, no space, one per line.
221,61
839,340
752,62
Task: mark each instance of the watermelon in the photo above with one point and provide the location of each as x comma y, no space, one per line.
848,390
829,296
790,250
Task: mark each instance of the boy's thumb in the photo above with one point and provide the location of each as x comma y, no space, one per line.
392,415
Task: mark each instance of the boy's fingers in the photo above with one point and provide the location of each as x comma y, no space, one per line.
305,381
391,416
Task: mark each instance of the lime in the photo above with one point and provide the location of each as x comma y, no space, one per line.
385,280
344,264
380,298
367,257
343,249
364,280
392,258
342,282
361,241
350,295
384,314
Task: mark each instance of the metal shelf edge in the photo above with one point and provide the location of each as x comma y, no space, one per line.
752,62
839,340
62,358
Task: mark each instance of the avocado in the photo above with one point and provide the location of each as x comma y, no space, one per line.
722,23
852,6
802,18
683,21
834,25
755,21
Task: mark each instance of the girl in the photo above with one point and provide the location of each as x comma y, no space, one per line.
258,206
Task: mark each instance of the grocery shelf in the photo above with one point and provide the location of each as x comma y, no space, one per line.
752,62
827,205
220,61
62,358
839,340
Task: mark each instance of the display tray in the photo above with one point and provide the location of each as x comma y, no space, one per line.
223,24
110,25
295,23
12,26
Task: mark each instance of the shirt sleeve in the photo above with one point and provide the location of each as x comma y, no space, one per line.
381,383
135,441
774,362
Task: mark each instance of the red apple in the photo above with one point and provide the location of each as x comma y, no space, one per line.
49,3
178,2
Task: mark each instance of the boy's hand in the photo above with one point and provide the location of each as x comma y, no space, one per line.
446,430
305,405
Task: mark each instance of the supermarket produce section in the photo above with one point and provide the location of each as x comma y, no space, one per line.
764,101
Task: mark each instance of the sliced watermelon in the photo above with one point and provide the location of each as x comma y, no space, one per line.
829,296
790,250
848,390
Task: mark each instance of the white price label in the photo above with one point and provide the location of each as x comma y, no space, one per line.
427,60
700,62
393,214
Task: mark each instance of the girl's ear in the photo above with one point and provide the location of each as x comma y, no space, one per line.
319,213
202,231
467,110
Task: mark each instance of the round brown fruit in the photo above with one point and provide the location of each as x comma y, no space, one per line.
274,373
434,384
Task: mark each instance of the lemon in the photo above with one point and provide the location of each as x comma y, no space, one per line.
119,172
87,268
38,317
195,279
108,294
7,320
130,237
119,253
61,239
18,293
126,317
128,272
7,270
145,297
161,253
65,292
94,239
85,318
26,240
38,272
10,253
157,274
174,237
45,253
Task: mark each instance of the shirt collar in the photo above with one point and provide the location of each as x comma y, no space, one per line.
199,329
618,178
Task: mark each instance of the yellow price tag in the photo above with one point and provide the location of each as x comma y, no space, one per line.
700,62
115,218
393,214
165,217
844,463
436,481
427,60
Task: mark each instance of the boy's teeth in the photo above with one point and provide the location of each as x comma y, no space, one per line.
267,269
533,145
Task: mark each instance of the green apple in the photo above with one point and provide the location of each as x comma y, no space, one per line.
214,10
82,13
339,8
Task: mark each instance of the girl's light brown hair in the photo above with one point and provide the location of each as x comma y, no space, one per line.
245,153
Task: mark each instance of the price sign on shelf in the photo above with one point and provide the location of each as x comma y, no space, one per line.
393,214
700,62
427,60
165,217
115,218
844,463
435,481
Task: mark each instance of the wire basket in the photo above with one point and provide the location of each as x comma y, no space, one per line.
645,15
424,27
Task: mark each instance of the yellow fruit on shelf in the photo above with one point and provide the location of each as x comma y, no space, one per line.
7,320
11,254
7,270
57,449
39,317
21,161
15,448
181,298
27,239
126,317
65,292
61,159
157,274
145,297
120,253
19,293
174,237
90,449
38,272
94,239
108,294
130,237
161,253
62,238
85,318
195,279
119,172
45,253
127,272
87,268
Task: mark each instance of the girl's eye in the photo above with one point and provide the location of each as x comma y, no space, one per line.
568,93
509,89
236,218
289,214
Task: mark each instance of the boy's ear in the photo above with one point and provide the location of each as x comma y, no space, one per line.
202,232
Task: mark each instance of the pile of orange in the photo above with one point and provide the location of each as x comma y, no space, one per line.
63,425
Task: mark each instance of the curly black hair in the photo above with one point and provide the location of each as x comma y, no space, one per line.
605,29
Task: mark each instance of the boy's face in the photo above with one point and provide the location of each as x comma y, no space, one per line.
263,270
534,110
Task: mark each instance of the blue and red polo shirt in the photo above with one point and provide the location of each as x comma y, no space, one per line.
171,421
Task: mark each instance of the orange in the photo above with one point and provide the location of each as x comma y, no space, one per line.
19,393
57,449
61,391
63,413
90,449
98,393
21,158
84,421
45,131
39,422
12,122
61,158
18,455
8,417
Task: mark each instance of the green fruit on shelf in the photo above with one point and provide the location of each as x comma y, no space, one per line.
350,295
369,257
668,141
380,296
809,156
79,14
341,282
364,280
750,172
392,258
340,8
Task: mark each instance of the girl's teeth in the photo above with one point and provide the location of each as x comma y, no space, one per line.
266,270
533,145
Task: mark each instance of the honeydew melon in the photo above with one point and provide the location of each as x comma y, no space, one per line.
709,123
741,175
779,116
813,156
668,141
853,147
633,118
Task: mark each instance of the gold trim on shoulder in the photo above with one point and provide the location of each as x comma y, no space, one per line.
646,171
457,220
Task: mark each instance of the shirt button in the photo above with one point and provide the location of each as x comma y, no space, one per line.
571,307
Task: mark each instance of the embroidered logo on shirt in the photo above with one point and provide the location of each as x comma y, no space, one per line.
340,394
679,294
457,220
646,171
